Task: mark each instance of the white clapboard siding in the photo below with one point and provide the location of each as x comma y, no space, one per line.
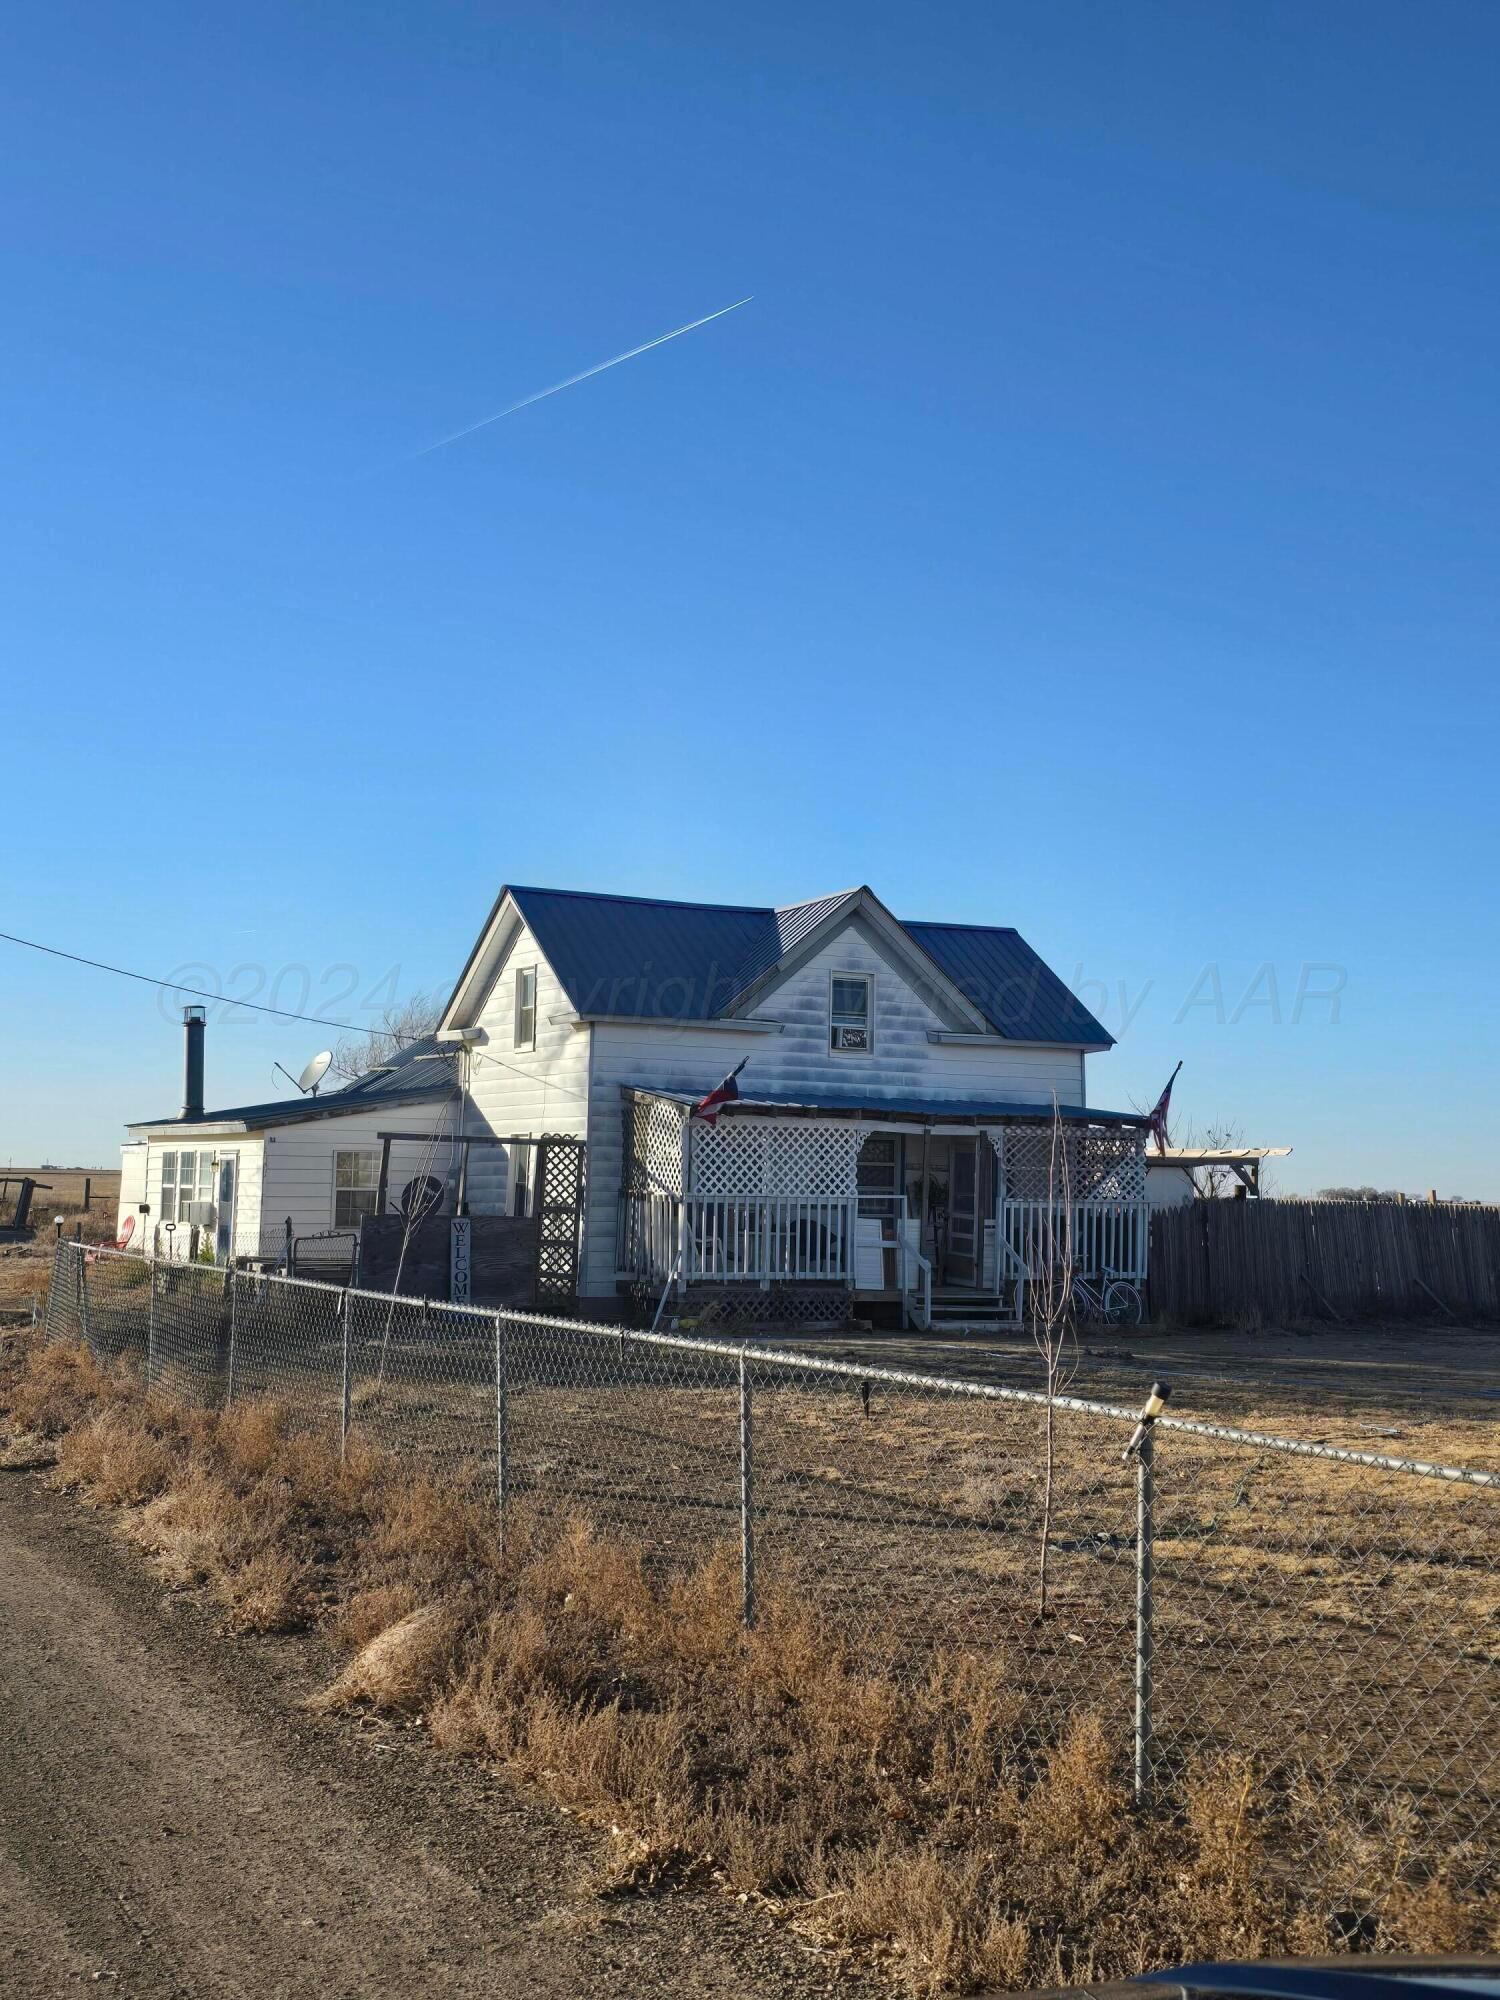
523,1091
133,1157
299,1158
251,1156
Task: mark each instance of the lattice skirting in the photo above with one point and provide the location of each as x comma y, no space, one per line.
741,1308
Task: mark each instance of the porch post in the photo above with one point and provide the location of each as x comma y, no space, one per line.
922,1208
684,1209
996,1140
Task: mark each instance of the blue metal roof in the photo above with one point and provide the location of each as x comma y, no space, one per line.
1017,993
643,958
420,1070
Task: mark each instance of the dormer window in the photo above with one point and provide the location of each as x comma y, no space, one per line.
851,1010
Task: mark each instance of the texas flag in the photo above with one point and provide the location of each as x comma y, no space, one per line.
708,1108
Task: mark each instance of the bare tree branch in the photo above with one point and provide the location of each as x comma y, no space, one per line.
1054,1328
400,1026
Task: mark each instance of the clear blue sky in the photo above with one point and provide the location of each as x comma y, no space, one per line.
1091,525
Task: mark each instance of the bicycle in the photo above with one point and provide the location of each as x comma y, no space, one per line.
1112,1298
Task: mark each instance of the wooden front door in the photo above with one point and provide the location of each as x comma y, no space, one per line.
961,1264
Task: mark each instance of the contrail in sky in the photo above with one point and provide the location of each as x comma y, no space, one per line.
582,376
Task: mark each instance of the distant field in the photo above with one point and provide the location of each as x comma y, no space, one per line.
61,1192
64,1189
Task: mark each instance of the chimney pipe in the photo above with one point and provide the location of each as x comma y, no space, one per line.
193,1019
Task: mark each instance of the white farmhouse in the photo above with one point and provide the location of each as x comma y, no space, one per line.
892,1134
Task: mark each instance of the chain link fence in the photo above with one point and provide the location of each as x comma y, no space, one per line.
1333,1613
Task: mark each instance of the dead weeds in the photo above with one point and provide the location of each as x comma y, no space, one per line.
906,1816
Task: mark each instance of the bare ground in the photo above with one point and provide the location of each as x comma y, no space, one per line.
172,1824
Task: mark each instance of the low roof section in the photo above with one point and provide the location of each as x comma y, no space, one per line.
415,1074
904,1110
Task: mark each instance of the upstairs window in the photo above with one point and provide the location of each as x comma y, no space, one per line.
356,1183
526,1007
851,1030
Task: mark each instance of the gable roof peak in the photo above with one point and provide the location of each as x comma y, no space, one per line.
657,958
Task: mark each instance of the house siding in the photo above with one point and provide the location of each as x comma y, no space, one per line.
524,1092
904,1064
298,1177
134,1158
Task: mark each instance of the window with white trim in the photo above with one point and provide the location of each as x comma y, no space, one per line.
356,1185
525,1007
186,1177
851,1009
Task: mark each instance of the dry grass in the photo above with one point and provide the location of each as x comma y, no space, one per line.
905,1817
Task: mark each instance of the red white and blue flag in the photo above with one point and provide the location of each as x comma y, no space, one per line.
1159,1114
708,1108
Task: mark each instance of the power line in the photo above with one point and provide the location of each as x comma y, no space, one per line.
198,992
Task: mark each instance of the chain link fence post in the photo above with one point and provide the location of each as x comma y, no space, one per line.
83,1299
1143,1444
502,1425
346,1395
747,1516
1145,1501
151,1323
234,1313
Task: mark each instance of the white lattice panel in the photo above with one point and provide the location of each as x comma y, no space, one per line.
727,1158
743,1155
806,1156
1028,1162
664,1144
1111,1165
1101,1163
655,1144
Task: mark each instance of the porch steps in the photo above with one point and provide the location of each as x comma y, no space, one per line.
980,1310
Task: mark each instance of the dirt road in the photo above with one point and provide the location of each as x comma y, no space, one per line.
172,1825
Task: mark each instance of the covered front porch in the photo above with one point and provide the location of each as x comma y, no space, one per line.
948,1211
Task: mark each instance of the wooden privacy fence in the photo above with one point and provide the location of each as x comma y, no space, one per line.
1219,1260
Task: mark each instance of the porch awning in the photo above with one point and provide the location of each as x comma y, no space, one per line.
919,1111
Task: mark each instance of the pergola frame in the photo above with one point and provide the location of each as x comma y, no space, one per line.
1244,1162
463,1139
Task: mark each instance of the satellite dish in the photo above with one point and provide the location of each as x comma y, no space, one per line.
421,1195
314,1072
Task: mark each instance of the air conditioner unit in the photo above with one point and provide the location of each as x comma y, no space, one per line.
201,1212
851,1038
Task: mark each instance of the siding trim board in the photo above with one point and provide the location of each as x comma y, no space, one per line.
730,1027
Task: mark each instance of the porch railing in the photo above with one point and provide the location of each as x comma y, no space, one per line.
1097,1236
650,1235
763,1237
